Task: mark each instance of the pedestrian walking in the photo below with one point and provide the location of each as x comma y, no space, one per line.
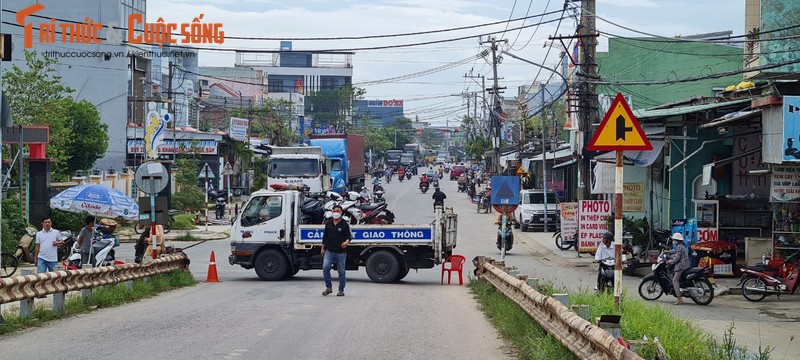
46,250
335,240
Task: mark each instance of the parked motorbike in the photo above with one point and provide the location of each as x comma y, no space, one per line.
565,244
102,253
377,187
756,285
25,246
313,209
220,208
509,234
695,283
483,202
68,239
377,214
462,187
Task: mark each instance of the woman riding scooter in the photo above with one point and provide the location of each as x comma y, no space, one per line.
401,174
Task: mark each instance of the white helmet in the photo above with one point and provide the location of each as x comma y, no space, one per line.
677,236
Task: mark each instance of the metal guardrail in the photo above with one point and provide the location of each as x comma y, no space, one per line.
584,339
30,286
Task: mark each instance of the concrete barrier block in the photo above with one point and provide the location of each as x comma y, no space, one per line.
562,298
533,282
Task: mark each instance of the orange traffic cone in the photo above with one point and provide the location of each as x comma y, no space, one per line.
212,270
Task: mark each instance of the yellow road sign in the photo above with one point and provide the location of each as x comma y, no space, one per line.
619,130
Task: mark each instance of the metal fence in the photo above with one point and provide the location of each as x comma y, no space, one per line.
584,339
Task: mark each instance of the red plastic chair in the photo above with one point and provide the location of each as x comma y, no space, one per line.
456,265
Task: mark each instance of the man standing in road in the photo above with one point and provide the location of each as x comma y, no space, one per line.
438,198
46,250
335,240
85,240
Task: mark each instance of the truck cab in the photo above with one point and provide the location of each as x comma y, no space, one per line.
531,210
302,165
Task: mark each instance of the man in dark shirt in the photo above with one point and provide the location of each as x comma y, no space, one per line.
335,240
438,198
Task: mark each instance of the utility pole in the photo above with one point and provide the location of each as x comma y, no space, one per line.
170,109
497,107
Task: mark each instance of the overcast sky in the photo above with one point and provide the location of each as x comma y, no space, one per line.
433,97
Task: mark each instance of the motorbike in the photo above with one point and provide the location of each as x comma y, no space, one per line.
606,283
377,187
313,209
441,175
401,176
565,244
462,187
756,285
220,208
447,169
352,214
695,283
25,246
377,214
378,196
483,202
509,234
102,253
68,239
408,175
424,187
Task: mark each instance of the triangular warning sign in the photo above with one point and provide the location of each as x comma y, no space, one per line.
619,130
505,191
521,171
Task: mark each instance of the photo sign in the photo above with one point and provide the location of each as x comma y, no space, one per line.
633,197
569,220
592,223
785,183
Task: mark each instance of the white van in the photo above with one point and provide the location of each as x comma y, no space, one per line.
530,212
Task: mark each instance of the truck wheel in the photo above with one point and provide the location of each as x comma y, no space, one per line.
383,267
402,274
271,265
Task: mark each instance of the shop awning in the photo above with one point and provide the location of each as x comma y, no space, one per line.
662,113
642,158
551,155
732,118
706,180
565,164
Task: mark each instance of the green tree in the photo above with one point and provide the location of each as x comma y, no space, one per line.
90,136
270,119
477,146
429,139
189,196
37,96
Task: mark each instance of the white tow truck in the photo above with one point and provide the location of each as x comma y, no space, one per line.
267,237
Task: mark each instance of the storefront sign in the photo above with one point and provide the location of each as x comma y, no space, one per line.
569,220
707,234
202,147
385,103
785,183
791,128
592,223
633,197
238,129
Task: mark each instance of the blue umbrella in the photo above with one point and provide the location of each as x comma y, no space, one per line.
98,200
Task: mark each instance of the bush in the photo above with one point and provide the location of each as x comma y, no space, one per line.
190,198
13,225
187,237
65,220
183,222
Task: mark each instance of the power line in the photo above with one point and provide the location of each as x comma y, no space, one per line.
509,18
424,72
362,37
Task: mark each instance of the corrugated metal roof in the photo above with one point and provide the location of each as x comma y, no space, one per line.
732,118
661,113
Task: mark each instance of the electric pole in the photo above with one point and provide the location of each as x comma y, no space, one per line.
497,108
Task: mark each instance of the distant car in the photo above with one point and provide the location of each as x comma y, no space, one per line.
457,171
530,213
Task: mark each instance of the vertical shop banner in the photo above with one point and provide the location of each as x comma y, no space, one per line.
633,197
569,220
791,128
785,183
592,223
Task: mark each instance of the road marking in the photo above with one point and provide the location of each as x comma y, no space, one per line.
235,353
288,316
264,332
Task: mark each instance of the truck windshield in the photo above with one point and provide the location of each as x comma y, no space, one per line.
262,209
336,164
294,168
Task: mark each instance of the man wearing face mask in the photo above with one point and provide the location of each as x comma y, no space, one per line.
681,262
335,240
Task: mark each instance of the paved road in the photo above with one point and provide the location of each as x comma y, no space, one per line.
245,318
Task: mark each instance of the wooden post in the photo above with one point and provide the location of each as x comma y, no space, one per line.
618,230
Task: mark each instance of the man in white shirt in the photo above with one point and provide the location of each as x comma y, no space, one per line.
46,250
604,251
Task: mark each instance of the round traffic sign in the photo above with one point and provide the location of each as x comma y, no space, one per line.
508,209
152,177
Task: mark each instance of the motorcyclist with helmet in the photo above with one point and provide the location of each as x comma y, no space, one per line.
604,251
438,198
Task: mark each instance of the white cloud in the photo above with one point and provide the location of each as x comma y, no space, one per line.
632,3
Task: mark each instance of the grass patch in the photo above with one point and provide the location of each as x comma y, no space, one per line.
187,237
102,298
680,338
183,222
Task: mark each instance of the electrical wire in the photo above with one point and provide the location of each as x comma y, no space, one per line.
737,55
362,37
547,6
424,72
509,19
